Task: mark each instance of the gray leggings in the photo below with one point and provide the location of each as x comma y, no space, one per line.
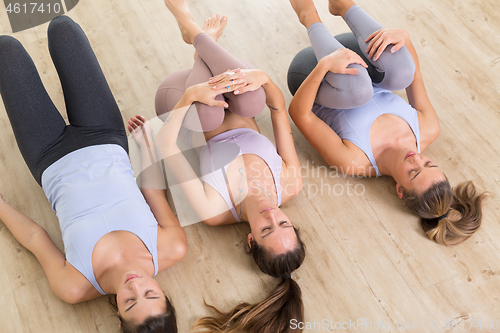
212,59
392,71
41,132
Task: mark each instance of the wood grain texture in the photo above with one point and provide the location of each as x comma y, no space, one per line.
367,257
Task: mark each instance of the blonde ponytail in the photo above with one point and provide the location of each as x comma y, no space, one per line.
448,216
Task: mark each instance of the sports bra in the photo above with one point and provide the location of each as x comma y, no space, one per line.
354,124
93,192
223,148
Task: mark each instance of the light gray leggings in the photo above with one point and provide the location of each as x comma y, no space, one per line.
392,71
212,59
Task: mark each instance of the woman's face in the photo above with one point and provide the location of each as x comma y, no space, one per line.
416,172
139,297
273,230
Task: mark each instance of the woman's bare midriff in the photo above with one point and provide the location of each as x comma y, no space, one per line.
232,121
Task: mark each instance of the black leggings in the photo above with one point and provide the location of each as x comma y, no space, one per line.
41,132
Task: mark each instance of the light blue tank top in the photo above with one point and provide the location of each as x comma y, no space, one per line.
354,124
222,149
93,192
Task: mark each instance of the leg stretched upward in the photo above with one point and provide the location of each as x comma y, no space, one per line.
394,70
340,91
36,123
213,59
40,131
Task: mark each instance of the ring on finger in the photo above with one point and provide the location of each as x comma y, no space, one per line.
228,88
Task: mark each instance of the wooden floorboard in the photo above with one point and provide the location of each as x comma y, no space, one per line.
367,257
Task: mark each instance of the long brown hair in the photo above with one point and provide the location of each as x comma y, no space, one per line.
448,216
273,314
163,323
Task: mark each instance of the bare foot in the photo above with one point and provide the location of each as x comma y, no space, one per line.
182,14
339,7
214,26
306,12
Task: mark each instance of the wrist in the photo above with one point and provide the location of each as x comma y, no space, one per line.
322,66
188,98
143,145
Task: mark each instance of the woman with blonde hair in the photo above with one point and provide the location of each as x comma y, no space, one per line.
343,106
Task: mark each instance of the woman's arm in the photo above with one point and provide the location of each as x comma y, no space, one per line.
172,242
206,207
281,127
67,283
418,98
417,95
326,142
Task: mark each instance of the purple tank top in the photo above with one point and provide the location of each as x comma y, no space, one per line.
222,149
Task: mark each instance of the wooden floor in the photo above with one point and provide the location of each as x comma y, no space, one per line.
368,260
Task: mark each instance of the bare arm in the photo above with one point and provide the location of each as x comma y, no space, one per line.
417,95
326,142
172,242
418,98
281,127
67,283
206,206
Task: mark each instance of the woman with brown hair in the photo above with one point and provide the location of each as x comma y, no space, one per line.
243,176
115,237
343,106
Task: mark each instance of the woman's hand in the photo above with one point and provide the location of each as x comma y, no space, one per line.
382,38
337,62
223,83
141,130
246,79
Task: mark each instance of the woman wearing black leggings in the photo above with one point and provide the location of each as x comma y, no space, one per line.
115,237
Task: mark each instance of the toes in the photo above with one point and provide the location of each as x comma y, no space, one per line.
223,21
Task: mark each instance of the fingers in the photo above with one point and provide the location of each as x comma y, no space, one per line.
245,88
381,39
397,47
218,103
372,35
141,118
137,122
356,59
352,57
224,75
374,46
351,71
380,50
229,82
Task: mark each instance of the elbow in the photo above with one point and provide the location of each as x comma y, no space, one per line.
212,221
437,130
293,188
72,295
299,183
179,251
433,132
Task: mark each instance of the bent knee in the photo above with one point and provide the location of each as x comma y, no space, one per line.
60,22
9,46
249,104
344,91
170,91
399,70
